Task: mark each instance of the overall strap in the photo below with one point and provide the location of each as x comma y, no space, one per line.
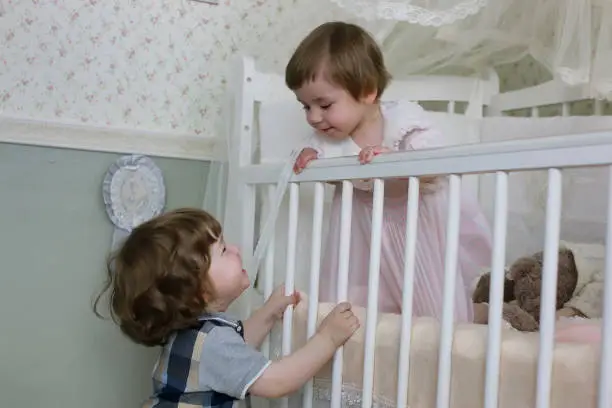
210,321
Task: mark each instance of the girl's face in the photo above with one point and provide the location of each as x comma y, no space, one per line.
330,110
226,274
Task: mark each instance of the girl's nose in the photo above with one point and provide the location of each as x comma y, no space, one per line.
314,116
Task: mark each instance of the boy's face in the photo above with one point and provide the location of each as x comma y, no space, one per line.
331,110
228,277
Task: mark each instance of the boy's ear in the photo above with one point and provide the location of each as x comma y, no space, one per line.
208,291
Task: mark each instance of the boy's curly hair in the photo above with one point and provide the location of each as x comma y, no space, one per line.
158,279
345,53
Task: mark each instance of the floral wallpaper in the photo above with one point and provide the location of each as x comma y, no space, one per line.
152,64
158,65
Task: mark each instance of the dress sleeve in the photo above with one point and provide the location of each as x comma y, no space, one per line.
418,138
228,365
410,128
415,130
315,142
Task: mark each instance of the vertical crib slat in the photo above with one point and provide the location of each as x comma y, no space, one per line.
373,282
549,289
269,267
605,369
496,290
565,109
342,284
315,267
450,275
294,193
248,194
598,107
412,211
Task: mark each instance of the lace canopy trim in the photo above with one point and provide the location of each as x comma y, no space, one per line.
419,12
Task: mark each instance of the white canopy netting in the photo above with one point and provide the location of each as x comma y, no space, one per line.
572,39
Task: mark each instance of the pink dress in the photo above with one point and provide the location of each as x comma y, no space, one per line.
406,128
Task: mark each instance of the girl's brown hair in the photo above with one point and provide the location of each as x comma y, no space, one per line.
158,279
345,53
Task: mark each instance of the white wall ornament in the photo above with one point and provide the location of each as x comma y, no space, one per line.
134,192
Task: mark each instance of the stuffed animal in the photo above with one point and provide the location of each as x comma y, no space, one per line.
522,289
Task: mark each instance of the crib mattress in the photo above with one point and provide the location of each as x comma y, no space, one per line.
574,377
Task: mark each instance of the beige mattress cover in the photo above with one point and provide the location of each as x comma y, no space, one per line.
574,377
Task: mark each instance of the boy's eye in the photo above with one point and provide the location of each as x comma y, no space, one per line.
326,106
305,107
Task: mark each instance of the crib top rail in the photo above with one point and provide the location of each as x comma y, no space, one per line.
580,150
547,93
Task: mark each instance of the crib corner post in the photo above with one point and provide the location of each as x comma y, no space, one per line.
239,220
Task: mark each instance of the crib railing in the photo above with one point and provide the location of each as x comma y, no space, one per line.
552,154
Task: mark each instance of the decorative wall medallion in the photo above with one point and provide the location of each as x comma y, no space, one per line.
134,192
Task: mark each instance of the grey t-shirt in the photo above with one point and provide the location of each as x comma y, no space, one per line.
227,364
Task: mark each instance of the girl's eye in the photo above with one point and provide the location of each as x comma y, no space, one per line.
305,107
326,106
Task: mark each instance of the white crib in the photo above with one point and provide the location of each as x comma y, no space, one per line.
267,123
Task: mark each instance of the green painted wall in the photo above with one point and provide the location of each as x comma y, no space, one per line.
54,237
